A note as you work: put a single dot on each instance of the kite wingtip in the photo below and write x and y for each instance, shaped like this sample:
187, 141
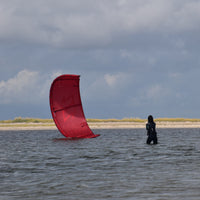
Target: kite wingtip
97, 135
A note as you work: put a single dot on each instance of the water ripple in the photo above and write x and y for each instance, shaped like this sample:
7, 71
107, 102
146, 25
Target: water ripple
116, 165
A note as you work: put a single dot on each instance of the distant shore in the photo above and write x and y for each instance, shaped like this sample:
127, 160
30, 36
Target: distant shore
100, 125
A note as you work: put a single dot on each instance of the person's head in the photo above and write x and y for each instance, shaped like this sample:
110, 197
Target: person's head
150, 119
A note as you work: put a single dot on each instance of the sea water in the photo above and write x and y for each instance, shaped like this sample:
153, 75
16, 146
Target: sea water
116, 165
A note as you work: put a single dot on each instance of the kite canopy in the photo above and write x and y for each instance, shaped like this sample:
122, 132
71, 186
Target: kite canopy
66, 107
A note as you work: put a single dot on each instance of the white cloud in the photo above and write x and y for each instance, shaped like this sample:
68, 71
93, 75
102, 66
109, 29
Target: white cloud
175, 75
110, 79
45, 84
117, 80
157, 93
106, 87
26, 87
16, 88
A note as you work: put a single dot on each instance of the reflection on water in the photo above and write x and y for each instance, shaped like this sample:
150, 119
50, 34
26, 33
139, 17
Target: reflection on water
116, 165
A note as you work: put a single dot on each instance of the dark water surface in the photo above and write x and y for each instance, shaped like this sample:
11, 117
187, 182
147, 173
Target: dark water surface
116, 165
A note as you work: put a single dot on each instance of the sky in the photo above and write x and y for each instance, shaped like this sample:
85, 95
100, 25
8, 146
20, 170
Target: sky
135, 57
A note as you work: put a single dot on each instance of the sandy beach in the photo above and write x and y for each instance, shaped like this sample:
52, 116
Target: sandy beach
143, 125
99, 125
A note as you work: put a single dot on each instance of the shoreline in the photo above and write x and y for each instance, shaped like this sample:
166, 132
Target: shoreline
99, 125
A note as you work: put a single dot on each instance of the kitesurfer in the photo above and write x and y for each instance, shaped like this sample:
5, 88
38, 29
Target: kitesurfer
151, 131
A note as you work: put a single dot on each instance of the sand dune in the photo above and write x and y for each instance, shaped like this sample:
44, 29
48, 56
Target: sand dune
99, 125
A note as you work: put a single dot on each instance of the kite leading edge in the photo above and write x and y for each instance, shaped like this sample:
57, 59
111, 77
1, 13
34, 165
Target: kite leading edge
66, 107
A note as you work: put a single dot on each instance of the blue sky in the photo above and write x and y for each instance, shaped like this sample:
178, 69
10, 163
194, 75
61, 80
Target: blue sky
135, 57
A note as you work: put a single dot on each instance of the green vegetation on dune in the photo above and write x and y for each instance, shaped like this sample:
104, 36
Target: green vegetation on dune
138, 120
18, 120
27, 120
117, 120
176, 120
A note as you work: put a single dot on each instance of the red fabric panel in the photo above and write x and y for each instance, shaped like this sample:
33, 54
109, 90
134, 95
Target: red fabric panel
66, 107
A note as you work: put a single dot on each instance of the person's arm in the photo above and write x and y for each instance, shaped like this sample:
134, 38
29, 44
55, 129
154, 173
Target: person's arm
147, 128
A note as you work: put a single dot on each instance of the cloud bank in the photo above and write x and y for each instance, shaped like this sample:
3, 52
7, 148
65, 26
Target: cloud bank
26, 87
94, 23
135, 57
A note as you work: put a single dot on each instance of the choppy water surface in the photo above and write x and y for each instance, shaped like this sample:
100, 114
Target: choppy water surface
116, 165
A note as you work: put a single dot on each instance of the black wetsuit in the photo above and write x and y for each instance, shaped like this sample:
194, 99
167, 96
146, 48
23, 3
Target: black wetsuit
151, 133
